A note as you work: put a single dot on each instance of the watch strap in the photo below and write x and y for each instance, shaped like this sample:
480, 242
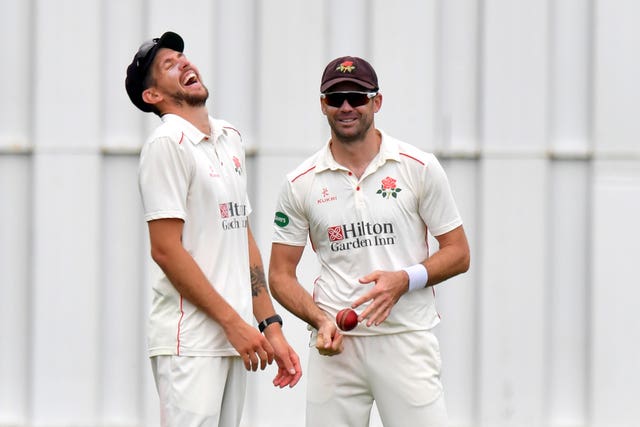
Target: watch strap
269, 320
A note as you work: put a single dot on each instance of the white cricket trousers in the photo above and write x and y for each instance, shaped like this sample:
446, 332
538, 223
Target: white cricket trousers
401, 372
200, 391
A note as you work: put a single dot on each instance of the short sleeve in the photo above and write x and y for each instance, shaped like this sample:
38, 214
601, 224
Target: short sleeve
290, 224
163, 178
437, 205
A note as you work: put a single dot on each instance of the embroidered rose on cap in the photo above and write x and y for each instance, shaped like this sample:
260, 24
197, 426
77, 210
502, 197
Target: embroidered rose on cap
346, 67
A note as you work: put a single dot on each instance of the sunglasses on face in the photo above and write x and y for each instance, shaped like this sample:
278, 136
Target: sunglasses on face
355, 99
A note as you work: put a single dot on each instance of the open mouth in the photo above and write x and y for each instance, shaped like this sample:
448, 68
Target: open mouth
190, 79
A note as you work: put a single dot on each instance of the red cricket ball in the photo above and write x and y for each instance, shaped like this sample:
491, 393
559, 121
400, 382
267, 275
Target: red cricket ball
347, 319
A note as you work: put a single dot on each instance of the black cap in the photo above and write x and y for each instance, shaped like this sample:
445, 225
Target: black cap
349, 69
139, 67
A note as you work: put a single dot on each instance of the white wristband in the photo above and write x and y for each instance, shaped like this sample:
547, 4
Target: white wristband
418, 276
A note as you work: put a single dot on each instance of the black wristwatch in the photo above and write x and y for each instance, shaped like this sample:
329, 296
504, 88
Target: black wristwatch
269, 320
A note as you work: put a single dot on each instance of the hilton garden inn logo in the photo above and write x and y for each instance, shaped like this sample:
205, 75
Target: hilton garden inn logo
360, 235
234, 215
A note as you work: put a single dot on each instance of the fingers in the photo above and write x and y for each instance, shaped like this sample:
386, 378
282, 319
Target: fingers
364, 298
377, 317
287, 364
260, 357
284, 355
329, 345
323, 340
252, 347
284, 378
289, 371
250, 361
369, 278
388, 289
297, 370
378, 311
264, 359
271, 353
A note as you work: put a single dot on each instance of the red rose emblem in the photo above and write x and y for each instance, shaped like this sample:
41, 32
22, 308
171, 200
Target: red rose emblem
388, 183
346, 67
388, 188
237, 164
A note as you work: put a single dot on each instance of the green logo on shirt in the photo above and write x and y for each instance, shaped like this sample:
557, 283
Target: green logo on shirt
281, 220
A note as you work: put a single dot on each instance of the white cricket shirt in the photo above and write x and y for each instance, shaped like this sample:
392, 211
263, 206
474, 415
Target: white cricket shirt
185, 174
377, 222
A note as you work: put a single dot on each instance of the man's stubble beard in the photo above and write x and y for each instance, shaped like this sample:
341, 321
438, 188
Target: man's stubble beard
196, 100
359, 135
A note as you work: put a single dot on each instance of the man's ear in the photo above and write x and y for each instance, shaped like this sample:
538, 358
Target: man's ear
377, 102
151, 96
323, 107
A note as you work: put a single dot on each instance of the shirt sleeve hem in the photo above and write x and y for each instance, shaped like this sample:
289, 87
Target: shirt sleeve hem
164, 215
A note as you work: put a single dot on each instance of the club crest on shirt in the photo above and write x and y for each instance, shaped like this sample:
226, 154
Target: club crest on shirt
388, 188
237, 165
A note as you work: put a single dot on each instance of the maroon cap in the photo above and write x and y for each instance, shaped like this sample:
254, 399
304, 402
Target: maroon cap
349, 69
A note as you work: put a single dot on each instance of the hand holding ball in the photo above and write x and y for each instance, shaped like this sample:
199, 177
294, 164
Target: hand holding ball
347, 319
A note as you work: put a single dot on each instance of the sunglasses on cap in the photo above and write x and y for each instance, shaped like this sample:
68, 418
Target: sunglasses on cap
355, 99
143, 52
